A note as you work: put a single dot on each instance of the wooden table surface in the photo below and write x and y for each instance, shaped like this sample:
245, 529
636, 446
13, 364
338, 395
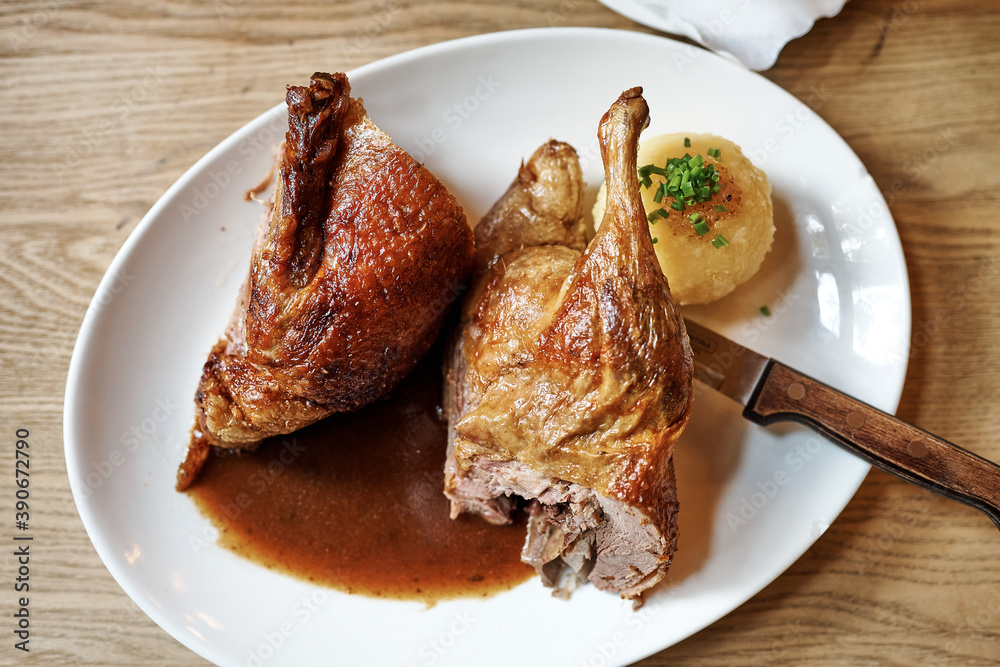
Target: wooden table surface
104, 104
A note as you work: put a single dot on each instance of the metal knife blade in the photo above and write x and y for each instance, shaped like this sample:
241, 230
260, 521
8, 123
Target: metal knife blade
770, 391
725, 365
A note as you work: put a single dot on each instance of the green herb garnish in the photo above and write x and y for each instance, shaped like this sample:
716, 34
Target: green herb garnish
719, 241
658, 213
687, 142
700, 226
765, 311
688, 180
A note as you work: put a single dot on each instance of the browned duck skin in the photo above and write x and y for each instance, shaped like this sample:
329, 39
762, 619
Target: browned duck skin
571, 381
349, 281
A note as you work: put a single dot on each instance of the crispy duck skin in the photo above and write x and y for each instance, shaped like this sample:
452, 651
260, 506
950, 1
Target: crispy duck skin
361, 253
571, 379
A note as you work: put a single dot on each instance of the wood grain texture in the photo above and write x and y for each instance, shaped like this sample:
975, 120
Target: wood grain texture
105, 104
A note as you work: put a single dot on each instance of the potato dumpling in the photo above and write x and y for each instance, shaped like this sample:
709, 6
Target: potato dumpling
697, 270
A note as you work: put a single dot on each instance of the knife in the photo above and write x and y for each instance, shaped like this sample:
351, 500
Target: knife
770, 391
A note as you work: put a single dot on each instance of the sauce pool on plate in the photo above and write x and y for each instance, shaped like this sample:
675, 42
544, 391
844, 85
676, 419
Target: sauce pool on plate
355, 502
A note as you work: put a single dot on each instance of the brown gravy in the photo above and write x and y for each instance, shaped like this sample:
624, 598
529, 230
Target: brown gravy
355, 503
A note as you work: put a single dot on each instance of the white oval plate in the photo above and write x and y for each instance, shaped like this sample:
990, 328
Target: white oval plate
753, 500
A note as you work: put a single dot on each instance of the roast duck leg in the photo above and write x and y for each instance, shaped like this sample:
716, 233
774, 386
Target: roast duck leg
361, 253
570, 378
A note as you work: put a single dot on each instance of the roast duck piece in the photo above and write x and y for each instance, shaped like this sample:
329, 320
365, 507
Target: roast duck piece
570, 378
360, 254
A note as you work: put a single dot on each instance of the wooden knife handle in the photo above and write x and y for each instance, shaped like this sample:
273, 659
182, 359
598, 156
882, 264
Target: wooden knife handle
888, 443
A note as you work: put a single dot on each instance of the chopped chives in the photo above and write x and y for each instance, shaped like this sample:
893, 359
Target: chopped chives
765, 311
701, 227
714, 152
658, 213
687, 142
655, 239
720, 209
687, 180
696, 217
719, 241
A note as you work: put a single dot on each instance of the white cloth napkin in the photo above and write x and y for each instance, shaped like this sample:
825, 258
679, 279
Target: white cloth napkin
751, 31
